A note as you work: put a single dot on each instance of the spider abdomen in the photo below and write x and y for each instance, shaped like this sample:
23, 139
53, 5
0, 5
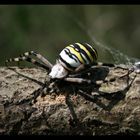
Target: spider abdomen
76, 54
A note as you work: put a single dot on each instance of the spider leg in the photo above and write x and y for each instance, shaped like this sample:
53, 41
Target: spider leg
80, 68
79, 80
86, 68
40, 57
28, 59
104, 64
71, 108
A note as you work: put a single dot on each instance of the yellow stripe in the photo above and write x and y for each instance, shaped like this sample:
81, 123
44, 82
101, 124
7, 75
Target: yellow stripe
72, 50
87, 52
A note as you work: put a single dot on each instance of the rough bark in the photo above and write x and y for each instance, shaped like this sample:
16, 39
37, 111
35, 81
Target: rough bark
113, 109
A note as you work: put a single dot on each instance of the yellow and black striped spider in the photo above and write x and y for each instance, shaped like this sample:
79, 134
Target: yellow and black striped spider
72, 60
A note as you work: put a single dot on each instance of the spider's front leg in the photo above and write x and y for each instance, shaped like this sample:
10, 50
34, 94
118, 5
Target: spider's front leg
40, 57
25, 57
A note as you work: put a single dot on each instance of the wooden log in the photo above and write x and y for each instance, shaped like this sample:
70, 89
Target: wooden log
113, 108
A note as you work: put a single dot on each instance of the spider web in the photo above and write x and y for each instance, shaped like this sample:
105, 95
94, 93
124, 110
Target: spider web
117, 55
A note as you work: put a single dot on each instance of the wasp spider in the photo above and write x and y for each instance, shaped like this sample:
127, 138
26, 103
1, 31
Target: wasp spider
73, 60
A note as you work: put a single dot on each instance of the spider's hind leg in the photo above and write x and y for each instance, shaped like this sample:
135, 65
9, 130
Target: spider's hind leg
82, 81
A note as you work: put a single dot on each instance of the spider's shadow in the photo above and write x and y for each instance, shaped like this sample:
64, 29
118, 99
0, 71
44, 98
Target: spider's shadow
27, 77
113, 98
85, 90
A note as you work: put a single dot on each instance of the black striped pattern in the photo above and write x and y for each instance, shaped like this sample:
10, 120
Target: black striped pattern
73, 56
65, 64
81, 51
21, 57
92, 51
76, 54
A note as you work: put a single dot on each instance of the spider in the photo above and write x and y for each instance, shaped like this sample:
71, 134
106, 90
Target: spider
73, 60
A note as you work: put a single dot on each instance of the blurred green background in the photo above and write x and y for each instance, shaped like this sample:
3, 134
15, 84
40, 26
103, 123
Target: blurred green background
47, 29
